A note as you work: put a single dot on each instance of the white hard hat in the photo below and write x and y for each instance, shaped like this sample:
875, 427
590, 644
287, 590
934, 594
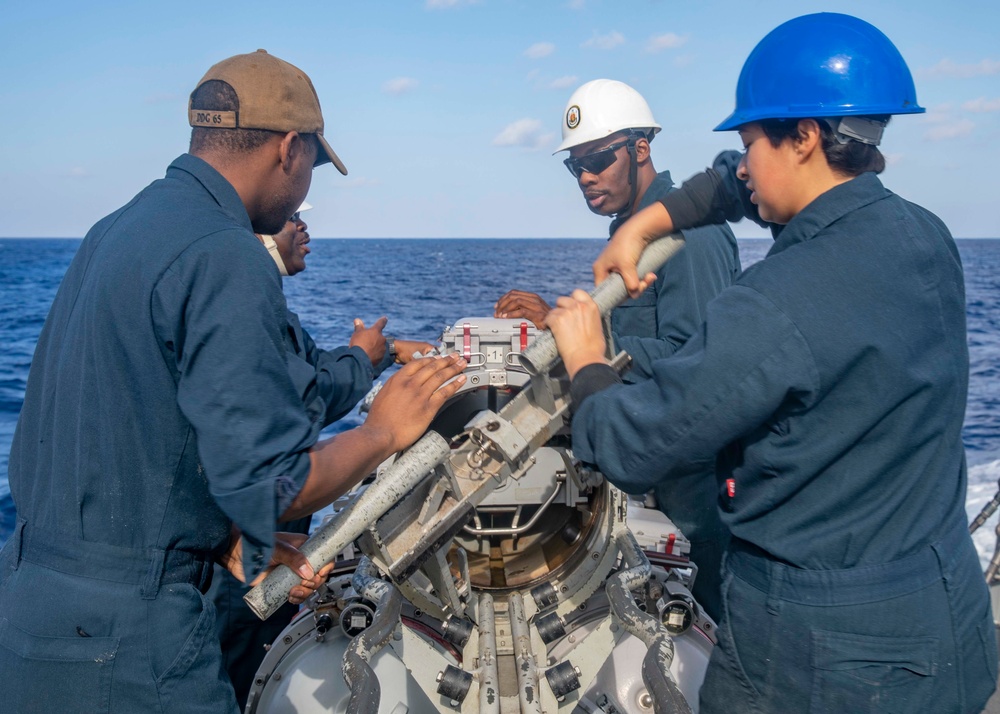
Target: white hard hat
601, 108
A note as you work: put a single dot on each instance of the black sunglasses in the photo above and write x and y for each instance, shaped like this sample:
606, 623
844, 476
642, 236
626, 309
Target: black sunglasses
594, 162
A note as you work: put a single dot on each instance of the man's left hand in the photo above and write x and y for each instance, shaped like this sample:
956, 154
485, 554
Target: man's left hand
370, 339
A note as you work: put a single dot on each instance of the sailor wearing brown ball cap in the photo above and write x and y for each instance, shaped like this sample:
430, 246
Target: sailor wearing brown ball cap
161, 430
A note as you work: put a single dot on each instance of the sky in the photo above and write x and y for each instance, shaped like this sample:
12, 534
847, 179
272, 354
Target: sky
447, 112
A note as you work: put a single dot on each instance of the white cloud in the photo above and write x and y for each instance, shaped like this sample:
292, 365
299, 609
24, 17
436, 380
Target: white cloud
565, 82
893, 159
76, 172
950, 69
448, 4
400, 85
944, 123
949, 130
939, 114
605, 42
669, 41
683, 60
539, 50
982, 104
576, 4
525, 133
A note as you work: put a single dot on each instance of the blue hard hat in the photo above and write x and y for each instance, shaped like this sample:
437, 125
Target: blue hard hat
822, 65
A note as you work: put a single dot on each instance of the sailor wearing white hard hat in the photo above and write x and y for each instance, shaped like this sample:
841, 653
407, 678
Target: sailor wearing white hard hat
607, 127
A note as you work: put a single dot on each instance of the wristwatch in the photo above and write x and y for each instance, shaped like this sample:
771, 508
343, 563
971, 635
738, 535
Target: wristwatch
390, 346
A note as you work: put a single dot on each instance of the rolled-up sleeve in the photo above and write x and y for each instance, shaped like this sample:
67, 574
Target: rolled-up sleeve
221, 310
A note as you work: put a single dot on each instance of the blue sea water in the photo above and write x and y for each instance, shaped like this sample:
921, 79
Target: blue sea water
423, 285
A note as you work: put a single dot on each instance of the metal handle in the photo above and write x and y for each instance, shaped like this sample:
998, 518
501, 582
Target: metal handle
346, 525
541, 354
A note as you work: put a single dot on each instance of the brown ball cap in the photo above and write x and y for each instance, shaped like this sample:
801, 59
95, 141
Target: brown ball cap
273, 95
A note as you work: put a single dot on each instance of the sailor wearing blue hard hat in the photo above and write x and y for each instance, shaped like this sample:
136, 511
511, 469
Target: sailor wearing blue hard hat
830, 382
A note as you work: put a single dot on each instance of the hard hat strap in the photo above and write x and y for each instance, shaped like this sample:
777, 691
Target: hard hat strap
633, 172
864, 130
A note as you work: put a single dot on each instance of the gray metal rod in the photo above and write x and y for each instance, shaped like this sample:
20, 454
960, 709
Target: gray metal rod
541, 354
489, 673
346, 525
527, 673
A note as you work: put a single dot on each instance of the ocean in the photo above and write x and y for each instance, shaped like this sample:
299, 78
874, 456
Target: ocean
423, 285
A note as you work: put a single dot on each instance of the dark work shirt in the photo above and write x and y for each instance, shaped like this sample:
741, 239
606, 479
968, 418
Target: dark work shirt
659, 321
831, 379
159, 406
331, 382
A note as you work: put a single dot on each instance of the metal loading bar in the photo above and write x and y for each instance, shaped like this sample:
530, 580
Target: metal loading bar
524, 425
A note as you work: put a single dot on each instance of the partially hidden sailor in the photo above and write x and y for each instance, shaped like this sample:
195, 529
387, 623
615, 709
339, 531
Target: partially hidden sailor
607, 128
331, 383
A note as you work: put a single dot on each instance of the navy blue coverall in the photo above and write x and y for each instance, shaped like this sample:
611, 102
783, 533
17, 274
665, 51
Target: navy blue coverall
831, 380
159, 410
331, 383
655, 325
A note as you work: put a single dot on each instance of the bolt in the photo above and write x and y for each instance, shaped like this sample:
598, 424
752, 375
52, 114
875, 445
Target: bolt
439, 677
277, 676
645, 701
287, 639
492, 426
595, 555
